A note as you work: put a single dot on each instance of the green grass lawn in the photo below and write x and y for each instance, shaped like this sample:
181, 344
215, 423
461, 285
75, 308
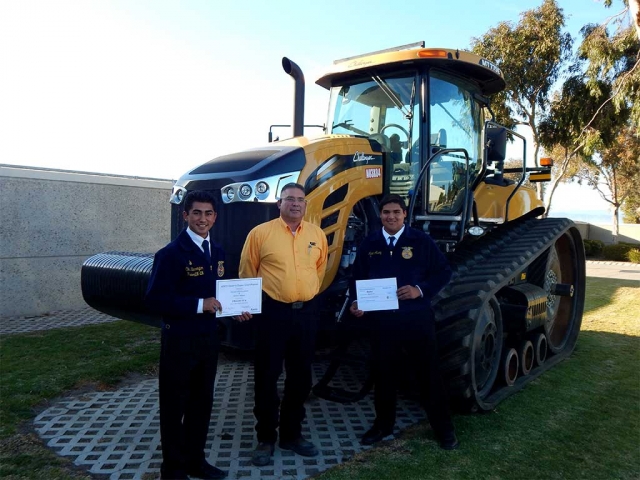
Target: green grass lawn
38, 367
580, 420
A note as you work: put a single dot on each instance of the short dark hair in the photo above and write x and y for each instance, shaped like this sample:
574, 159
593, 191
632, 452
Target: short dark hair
199, 196
291, 185
393, 198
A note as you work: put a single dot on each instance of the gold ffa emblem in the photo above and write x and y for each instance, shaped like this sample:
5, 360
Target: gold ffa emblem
221, 268
407, 253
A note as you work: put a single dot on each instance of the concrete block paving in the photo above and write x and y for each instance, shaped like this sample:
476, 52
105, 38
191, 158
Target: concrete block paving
118, 433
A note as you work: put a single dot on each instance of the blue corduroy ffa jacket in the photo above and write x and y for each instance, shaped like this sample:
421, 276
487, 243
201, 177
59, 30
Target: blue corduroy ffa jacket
179, 278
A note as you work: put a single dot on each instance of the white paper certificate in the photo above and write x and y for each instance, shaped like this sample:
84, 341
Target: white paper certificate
377, 294
237, 296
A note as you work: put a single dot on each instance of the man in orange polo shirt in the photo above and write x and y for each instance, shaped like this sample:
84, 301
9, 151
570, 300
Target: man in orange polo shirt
291, 256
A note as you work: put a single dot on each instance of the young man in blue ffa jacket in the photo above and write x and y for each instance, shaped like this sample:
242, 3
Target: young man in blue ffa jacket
182, 289
421, 271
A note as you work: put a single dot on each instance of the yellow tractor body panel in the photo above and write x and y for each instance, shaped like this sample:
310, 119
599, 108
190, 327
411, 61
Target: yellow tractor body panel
491, 201
332, 162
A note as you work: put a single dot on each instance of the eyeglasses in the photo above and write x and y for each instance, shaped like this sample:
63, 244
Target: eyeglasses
294, 199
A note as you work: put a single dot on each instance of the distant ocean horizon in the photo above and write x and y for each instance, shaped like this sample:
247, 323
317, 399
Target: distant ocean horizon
597, 218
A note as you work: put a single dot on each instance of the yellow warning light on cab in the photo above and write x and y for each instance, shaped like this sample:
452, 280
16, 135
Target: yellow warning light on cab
546, 162
431, 53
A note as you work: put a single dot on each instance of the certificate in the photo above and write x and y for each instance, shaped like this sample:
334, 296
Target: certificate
377, 294
237, 296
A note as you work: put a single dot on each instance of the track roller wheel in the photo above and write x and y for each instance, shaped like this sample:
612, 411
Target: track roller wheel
525, 354
487, 348
565, 272
540, 349
510, 367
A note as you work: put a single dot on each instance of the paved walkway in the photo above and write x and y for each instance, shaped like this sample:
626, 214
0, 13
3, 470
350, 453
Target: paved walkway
619, 270
117, 433
59, 319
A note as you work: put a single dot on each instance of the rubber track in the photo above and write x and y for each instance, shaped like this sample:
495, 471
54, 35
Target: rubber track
480, 271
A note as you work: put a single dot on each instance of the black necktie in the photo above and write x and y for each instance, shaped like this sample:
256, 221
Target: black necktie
391, 240
207, 253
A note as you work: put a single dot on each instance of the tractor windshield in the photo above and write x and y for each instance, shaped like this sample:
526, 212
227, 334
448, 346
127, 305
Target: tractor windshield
382, 108
387, 109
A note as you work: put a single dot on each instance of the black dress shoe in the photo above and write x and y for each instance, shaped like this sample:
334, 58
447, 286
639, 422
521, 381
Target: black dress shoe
168, 474
261, 456
301, 447
206, 471
374, 435
449, 442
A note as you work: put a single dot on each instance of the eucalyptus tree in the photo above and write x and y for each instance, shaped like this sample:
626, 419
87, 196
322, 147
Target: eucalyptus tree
615, 172
531, 55
577, 125
612, 53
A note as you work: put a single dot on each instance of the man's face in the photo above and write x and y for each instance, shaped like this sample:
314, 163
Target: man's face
201, 218
392, 217
292, 205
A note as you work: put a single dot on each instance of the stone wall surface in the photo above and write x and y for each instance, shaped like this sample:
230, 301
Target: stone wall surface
54, 220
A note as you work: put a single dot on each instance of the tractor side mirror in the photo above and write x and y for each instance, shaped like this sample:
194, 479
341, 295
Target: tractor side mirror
495, 143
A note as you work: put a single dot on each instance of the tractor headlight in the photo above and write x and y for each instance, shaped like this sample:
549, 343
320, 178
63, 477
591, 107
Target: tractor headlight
260, 190
262, 187
177, 196
245, 191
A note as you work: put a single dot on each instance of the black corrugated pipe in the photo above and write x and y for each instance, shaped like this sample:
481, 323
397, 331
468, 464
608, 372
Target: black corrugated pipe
298, 95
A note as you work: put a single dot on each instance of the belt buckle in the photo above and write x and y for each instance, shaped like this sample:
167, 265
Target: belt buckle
297, 305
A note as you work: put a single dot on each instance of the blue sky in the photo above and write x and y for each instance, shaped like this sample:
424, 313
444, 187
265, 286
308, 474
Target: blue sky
155, 87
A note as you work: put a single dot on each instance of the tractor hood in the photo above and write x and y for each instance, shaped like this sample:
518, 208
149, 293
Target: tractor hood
237, 175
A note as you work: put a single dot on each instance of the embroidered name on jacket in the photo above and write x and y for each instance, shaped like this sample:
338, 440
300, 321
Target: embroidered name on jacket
194, 271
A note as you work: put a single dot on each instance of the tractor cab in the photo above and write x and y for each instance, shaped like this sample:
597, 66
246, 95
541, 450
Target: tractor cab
425, 110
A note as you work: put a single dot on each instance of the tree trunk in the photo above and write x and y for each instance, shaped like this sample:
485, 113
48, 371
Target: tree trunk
634, 10
616, 226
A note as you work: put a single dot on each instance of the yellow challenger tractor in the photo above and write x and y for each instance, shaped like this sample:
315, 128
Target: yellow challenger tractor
417, 122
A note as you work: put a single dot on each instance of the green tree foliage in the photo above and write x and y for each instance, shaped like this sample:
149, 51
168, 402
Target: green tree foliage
616, 169
631, 207
612, 52
564, 132
531, 56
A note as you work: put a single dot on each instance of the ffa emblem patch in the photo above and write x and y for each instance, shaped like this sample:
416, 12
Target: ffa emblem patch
221, 268
407, 253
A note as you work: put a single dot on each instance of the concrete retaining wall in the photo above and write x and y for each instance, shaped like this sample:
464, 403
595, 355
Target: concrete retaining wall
51, 221
629, 233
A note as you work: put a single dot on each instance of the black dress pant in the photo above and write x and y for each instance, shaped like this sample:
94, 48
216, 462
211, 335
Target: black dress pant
187, 375
283, 334
411, 333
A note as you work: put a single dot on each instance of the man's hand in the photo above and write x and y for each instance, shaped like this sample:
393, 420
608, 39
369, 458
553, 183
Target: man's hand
408, 292
211, 305
243, 318
354, 310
